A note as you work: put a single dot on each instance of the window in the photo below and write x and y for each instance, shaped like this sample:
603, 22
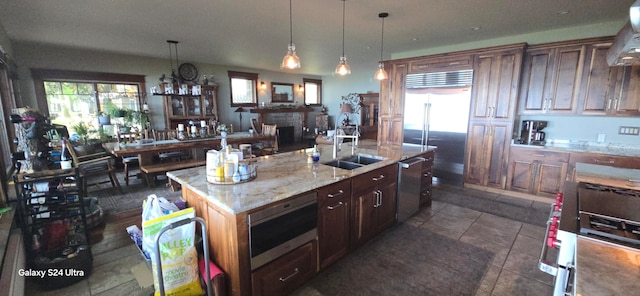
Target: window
244, 89
312, 91
70, 97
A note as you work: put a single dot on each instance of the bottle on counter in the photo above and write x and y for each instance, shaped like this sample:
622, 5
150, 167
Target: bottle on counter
316, 154
66, 161
230, 165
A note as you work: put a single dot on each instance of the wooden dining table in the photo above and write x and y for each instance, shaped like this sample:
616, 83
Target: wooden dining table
147, 149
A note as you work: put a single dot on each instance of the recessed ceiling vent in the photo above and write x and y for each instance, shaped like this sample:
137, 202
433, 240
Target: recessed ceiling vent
625, 50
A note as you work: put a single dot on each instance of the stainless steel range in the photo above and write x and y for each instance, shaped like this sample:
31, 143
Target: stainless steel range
598, 212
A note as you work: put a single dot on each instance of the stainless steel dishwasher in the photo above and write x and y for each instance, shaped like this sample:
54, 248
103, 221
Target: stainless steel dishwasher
409, 174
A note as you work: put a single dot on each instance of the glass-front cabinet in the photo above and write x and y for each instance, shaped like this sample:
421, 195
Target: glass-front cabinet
183, 108
369, 115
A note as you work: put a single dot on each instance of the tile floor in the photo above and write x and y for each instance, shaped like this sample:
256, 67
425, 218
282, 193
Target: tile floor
454, 213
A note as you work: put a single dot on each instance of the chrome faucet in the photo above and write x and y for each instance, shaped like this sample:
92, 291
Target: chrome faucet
343, 135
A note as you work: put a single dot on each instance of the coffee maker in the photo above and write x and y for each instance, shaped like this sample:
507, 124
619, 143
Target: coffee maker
531, 132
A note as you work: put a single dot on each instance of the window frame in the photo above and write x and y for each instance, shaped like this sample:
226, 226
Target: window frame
318, 83
248, 76
41, 75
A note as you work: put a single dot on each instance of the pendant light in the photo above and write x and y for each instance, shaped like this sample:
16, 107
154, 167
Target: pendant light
174, 76
290, 60
343, 68
381, 74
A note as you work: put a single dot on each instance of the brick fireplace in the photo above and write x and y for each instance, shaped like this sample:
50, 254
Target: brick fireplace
291, 118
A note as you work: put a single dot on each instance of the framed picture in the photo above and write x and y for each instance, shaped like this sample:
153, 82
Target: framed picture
282, 92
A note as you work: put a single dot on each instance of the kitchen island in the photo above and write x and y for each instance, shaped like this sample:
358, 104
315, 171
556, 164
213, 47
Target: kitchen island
280, 178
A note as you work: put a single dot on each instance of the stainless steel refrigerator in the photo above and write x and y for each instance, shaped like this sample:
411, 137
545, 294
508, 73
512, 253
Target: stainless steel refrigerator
436, 113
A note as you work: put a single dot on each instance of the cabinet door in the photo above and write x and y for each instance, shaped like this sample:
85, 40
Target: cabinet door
334, 204
521, 175
363, 208
390, 127
427, 179
552, 80
476, 152
598, 82
210, 101
535, 77
386, 210
175, 106
495, 84
486, 154
627, 97
550, 178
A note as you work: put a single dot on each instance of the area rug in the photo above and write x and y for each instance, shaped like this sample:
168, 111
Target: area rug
405, 260
112, 201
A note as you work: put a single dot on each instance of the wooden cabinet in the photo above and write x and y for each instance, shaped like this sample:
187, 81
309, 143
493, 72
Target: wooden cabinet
495, 84
626, 97
599, 81
487, 153
373, 203
537, 171
283, 275
183, 108
551, 79
390, 130
493, 100
369, 113
334, 214
426, 180
441, 63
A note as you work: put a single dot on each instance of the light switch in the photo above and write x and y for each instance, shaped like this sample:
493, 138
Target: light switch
600, 138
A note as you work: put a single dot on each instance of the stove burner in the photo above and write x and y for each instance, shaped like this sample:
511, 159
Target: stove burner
618, 190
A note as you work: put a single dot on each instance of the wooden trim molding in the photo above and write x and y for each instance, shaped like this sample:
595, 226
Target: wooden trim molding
54, 74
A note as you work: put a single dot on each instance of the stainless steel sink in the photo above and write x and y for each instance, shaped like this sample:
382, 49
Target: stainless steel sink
343, 164
353, 162
361, 159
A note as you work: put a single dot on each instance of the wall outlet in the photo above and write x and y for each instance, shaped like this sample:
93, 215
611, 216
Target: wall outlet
629, 130
600, 138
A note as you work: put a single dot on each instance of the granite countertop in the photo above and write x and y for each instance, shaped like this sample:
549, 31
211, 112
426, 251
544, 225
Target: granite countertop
283, 175
605, 269
599, 148
606, 175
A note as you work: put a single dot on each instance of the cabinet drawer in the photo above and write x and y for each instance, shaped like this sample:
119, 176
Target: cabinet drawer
379, 177
537, 154
330, 193
444, 63
286, 273
603, 159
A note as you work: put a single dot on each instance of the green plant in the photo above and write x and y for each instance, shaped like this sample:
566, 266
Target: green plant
82, 130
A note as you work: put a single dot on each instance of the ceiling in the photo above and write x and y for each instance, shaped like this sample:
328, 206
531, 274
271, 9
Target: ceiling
255, 34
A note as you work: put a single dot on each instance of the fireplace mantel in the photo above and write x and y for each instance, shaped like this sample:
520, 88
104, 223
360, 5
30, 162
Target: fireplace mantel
282, 110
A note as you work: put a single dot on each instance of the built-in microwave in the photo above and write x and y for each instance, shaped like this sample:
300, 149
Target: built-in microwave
278, 229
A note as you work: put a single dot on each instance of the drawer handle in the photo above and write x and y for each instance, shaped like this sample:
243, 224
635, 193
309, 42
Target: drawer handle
378, 178
332, 195
336, 206
427, 175
284, 279
605, 161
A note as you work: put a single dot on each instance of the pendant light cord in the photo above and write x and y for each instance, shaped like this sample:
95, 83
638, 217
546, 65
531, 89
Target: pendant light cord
343, 1
290, 23
382, 40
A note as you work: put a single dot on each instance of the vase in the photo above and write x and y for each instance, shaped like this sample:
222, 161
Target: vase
223, 134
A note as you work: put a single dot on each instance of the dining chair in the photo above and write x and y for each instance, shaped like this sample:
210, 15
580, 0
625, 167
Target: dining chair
127, 162
168, 134
270, 146
93, 162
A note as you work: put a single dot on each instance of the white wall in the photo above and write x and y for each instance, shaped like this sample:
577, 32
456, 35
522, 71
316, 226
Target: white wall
587, 128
